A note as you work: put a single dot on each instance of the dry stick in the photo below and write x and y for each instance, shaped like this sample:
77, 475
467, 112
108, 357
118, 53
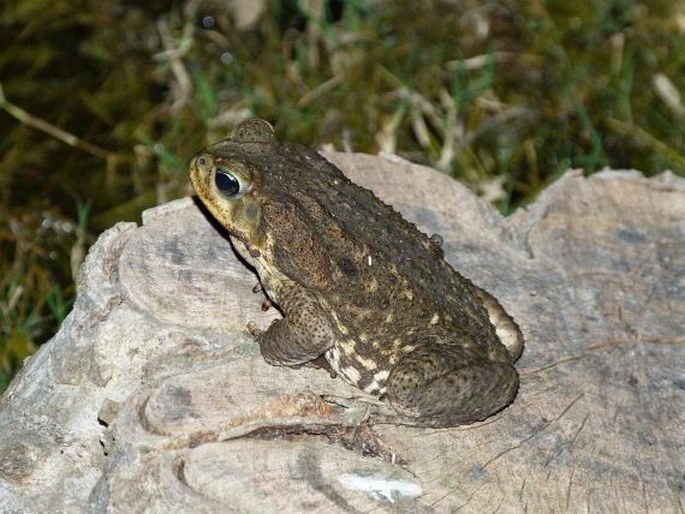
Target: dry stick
56, 132
645, 138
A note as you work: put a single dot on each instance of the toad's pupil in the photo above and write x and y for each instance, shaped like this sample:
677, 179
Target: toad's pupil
226, 183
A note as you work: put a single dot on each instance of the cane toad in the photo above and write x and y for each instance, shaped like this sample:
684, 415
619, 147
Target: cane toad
357, 284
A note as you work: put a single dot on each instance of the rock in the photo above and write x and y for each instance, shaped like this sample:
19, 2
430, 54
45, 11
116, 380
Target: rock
153, 397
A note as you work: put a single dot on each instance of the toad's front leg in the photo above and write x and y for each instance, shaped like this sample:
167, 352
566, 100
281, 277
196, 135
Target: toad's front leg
302, 335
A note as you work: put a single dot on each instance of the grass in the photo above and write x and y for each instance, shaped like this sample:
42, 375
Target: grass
102, 106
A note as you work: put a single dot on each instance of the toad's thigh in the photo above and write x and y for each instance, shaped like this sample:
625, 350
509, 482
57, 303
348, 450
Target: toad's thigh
443, 384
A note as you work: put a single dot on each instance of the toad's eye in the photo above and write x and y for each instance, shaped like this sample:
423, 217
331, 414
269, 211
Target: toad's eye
226, 182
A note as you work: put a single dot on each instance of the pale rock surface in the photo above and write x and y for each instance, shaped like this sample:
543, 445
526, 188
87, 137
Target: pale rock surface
152, 397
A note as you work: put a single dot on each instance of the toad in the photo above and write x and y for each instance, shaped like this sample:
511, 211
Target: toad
359, 287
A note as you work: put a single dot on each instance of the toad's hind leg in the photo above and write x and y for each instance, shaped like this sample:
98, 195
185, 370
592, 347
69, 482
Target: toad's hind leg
448, 383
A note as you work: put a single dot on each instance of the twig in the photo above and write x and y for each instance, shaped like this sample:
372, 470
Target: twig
56, 132
183, 92
643, 137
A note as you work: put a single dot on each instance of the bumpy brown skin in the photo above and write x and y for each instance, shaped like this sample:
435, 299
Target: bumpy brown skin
357, 283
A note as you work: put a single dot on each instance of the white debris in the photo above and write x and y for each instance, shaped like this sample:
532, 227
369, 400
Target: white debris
379, 486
